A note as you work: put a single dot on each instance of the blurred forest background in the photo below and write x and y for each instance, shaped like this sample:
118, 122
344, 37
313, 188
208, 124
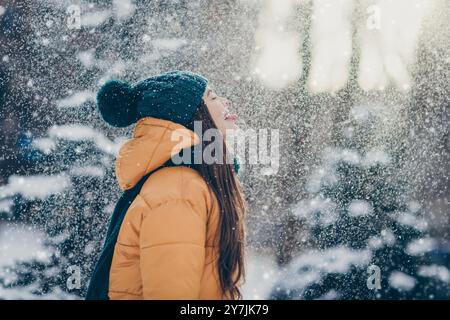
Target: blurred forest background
359, 90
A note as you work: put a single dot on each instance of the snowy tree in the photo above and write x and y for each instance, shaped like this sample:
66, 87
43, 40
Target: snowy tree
70, 200
363, 226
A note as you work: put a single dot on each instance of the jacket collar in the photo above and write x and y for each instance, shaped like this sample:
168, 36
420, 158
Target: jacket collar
153, 143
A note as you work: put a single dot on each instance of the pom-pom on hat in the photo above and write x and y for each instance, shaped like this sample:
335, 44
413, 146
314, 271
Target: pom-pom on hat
172, 96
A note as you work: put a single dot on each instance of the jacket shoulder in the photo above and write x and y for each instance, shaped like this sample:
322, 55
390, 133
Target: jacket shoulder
175, 184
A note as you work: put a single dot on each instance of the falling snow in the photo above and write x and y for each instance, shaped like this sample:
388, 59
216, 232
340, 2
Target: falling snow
359, 91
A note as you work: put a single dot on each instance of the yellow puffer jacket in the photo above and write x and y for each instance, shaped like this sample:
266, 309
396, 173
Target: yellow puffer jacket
167, 246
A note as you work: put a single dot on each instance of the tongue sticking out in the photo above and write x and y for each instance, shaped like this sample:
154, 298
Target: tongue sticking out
231, 116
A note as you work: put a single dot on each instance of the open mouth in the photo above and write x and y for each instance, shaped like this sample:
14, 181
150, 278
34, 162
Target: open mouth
230, 116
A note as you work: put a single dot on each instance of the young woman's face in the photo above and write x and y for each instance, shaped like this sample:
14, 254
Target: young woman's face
218, 107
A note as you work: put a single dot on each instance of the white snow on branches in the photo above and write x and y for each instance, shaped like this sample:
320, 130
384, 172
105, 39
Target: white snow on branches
401, 281
421, 246
435, 271
358, 208
76, 99
311, 266
35, 187
77, 132
317, 210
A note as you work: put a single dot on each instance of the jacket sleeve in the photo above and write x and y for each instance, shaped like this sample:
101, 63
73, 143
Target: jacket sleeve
172, 248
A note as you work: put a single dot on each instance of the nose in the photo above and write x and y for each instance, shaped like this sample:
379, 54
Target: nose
227, 103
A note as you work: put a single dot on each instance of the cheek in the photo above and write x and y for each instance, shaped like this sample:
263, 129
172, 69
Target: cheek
217, 112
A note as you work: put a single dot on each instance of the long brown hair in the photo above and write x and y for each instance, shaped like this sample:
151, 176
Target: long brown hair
223, 181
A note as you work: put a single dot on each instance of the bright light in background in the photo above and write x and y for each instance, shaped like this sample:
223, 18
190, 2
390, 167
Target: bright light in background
388, 51
387, 34
331, 40
277, 61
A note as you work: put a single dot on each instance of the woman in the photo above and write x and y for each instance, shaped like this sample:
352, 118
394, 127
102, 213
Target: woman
183, 235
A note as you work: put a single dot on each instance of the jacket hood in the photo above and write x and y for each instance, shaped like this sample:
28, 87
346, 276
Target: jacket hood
154, 141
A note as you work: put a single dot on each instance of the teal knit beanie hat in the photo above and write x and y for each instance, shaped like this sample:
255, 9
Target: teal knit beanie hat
172, 96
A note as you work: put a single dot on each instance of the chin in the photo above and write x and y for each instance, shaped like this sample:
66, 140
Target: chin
230, 130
